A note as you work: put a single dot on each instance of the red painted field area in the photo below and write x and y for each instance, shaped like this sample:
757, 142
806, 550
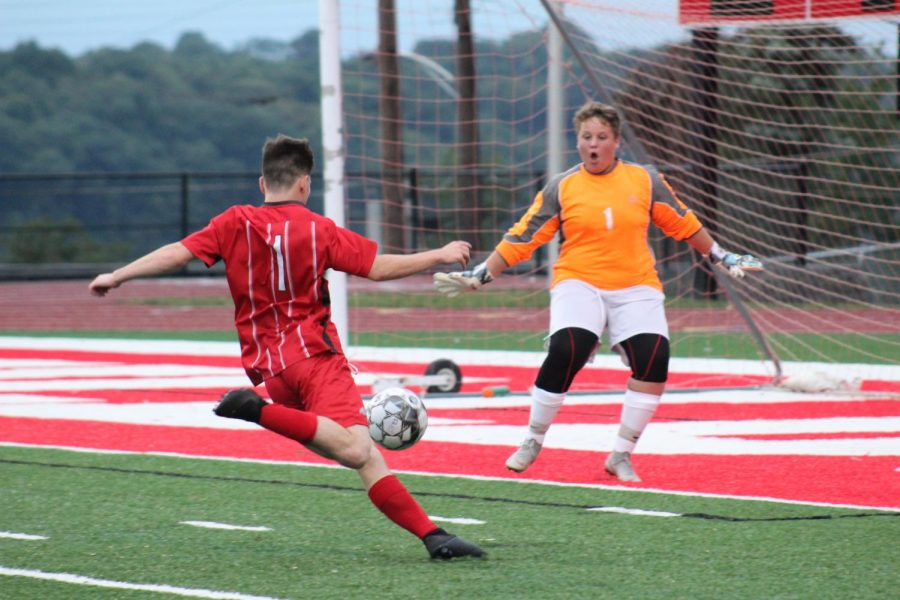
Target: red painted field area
752, 443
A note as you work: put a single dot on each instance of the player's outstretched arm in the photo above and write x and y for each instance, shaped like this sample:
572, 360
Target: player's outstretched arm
162, 260
735, 265
395, 266
456, 282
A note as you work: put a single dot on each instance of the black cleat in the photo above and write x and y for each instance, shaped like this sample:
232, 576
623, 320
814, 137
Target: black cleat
240, 404
441, 544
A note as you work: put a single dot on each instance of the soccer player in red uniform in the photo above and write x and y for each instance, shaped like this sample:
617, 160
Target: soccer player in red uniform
275, 259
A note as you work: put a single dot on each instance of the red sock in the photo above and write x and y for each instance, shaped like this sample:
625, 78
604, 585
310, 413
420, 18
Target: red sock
298, 425
393, 499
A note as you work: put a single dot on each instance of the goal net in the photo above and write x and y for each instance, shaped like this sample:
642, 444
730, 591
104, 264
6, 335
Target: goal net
781, 135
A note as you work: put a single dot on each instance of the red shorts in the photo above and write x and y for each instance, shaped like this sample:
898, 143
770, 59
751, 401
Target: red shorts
321, 384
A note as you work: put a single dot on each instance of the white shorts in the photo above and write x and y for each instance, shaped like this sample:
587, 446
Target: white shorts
627, 312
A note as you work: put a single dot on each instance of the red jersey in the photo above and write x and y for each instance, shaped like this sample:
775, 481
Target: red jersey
275, 260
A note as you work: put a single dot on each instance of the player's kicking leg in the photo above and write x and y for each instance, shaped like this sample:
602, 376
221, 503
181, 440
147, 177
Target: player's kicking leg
392, 498
353, 448
443, 545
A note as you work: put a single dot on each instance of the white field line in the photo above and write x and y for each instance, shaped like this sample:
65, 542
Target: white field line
214, 525
237, 379
461, 357
119, 371
714, 437
457, 520
47, 363
21, 536
741, 397
124, 585
33, 399
541, 482
876, 436
183, 348
633, 511
169, 414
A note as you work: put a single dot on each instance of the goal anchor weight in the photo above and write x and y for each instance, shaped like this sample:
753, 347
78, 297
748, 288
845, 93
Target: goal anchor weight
442, 376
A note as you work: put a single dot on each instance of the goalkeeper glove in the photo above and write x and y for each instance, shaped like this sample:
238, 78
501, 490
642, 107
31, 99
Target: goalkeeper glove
734, 264
454, 283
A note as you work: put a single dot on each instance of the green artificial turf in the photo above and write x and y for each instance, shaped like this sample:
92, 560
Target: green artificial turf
118, 517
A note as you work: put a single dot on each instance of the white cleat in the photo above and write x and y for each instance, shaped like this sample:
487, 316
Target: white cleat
618, 464
524, 456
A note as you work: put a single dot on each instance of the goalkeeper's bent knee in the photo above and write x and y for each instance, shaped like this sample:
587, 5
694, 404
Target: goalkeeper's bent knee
648, 357
569, 350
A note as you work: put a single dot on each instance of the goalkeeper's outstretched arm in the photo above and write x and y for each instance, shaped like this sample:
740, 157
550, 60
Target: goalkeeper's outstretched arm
454, 283
734, 264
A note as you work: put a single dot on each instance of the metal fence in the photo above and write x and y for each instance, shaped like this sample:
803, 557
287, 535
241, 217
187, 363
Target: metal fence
69, 225
62, 225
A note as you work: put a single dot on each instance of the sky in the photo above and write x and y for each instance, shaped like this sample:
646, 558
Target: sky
78, 26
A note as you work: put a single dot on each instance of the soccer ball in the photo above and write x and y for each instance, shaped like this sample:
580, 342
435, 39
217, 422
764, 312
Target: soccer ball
397, 418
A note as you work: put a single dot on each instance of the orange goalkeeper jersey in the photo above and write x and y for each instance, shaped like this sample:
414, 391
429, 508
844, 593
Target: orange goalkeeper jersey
604, 220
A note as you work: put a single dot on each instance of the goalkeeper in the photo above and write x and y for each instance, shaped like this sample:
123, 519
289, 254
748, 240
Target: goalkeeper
605, 276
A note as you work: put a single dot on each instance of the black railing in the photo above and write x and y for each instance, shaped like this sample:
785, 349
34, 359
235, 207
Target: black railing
58, 225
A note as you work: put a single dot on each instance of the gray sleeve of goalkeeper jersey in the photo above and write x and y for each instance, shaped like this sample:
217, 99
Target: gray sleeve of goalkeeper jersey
549, 208
662, 192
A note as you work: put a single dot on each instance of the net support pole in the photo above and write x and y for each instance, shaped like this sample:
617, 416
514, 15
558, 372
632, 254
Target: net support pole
755, 331
638, 152
555, 122
702, 151
333, 145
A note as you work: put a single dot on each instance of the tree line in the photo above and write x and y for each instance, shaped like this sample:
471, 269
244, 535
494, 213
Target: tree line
196, 107
200, 108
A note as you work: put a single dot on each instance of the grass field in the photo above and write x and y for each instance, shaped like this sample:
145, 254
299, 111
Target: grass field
119, 518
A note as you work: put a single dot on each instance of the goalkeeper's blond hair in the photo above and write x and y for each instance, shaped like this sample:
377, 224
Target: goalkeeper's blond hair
605, 112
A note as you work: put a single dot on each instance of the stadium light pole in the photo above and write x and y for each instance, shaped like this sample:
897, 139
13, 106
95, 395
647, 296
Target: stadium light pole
441, 76
438, 73
333, 146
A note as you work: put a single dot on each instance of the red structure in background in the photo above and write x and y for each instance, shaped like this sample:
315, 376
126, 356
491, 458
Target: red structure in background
732, 12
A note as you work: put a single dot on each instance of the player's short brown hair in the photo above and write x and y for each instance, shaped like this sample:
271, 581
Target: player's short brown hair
605, 112
285, 159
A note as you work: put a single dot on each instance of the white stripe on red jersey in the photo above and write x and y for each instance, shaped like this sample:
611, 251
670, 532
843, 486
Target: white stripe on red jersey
280, 288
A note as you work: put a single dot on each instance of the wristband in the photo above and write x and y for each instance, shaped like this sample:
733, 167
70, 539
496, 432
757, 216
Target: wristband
482, 274
716, 254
